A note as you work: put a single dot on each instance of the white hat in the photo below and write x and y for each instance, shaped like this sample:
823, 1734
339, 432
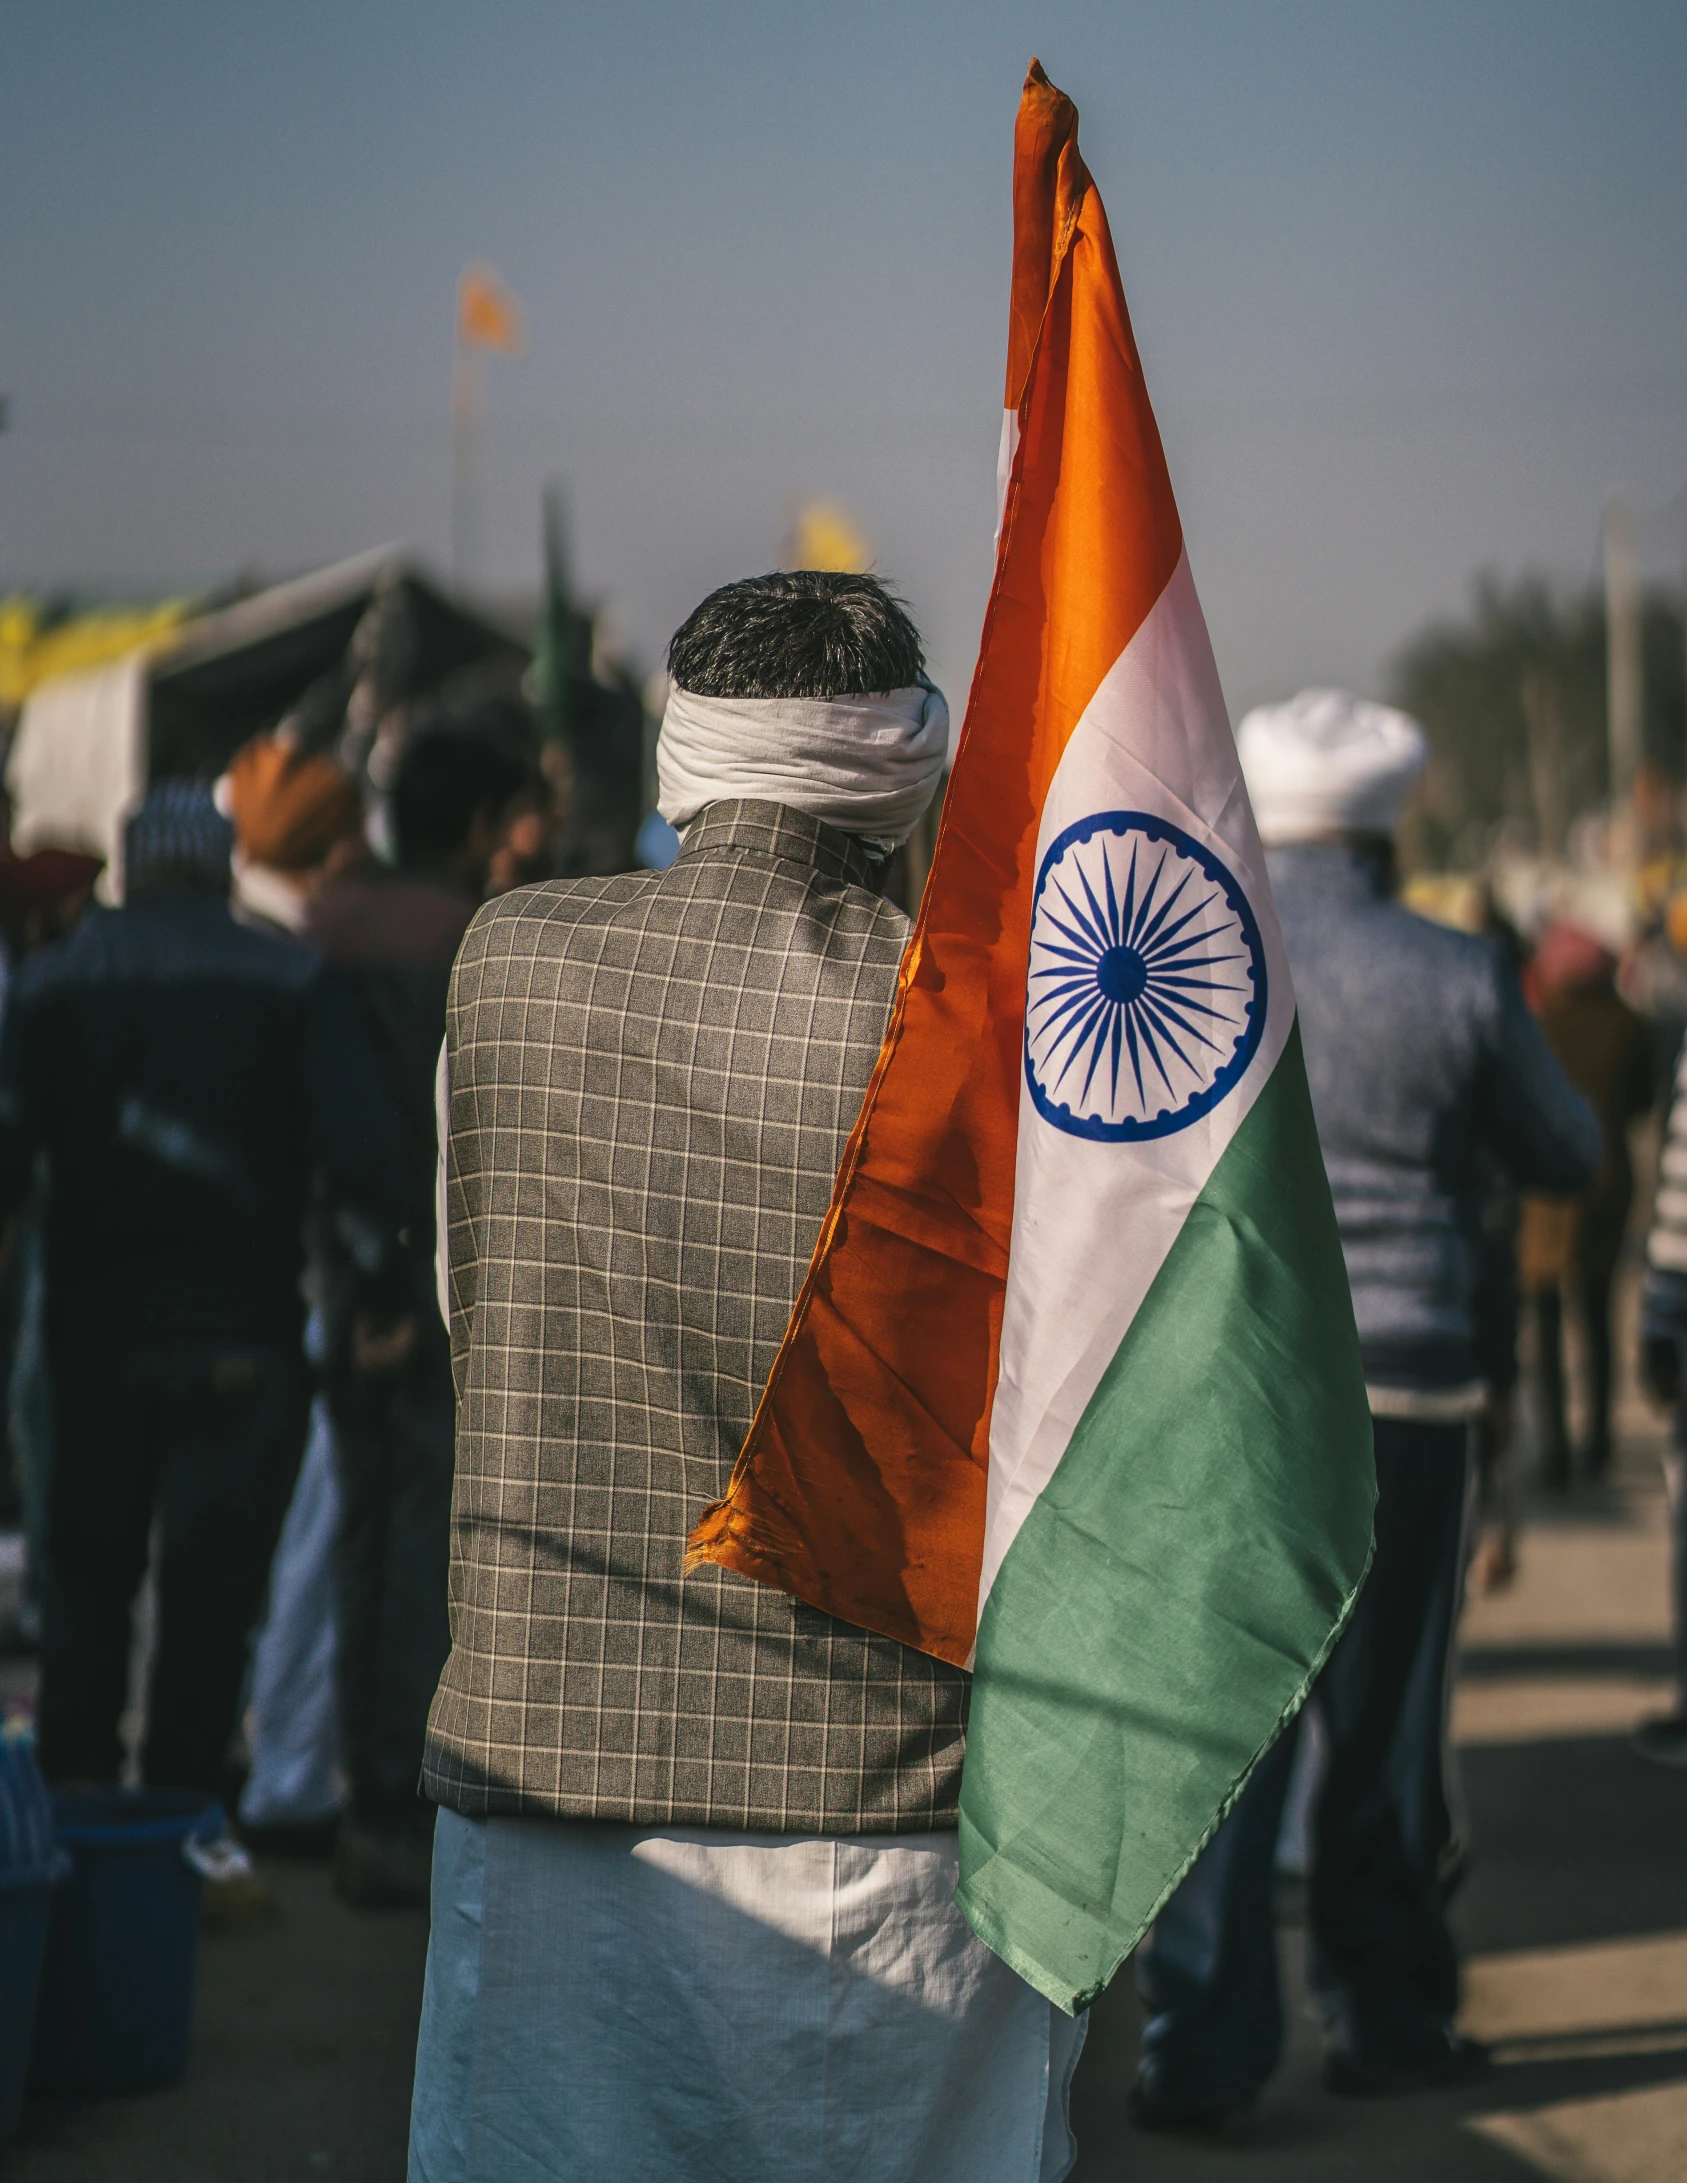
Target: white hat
1327, 763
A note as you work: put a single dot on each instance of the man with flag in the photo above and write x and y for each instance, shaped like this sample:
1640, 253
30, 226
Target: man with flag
1072, 1393
695, 1868
1069, 1395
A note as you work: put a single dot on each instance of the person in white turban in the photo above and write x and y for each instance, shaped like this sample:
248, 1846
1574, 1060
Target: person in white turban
1326, 764
867, 764
1423, 1059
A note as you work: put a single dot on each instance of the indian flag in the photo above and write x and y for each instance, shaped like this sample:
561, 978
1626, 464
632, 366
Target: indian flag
1072, 1391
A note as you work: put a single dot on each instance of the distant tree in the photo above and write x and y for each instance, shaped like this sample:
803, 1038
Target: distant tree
1512, 698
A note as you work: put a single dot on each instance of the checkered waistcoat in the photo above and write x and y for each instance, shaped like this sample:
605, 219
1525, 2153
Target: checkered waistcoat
652, 1077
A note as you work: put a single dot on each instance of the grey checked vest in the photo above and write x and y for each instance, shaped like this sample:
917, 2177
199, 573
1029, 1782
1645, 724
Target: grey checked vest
652, 1077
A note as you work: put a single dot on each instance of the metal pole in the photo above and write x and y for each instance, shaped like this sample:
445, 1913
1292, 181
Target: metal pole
1622, 650
1546, 760
468, 381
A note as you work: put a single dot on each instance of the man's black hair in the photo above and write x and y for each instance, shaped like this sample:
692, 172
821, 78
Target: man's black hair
798, 633
446, 779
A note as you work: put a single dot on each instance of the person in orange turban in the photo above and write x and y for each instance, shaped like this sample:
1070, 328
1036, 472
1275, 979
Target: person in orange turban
289, 809
291, 812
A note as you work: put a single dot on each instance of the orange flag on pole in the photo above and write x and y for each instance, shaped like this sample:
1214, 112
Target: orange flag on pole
488, 315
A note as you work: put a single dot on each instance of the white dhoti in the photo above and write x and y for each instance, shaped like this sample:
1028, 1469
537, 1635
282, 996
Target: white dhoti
654, 2004
294, 1722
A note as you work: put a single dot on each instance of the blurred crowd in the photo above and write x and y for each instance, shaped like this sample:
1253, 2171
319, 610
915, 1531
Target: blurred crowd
1479, 1086
217, 1172
229, 1385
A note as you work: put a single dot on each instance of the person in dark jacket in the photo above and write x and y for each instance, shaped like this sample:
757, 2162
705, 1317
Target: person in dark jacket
393, 934
1421, 1055
188, 1081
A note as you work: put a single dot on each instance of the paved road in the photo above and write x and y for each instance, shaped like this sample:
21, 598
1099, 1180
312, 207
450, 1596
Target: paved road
1575, 1917
304, 2035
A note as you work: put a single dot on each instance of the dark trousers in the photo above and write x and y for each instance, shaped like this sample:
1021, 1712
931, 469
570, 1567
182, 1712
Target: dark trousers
1383, 1961
1590, 1288
394, 1437
208, 1440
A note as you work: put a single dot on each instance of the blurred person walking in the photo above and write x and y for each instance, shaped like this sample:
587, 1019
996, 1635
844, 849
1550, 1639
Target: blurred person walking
1663, 1332
1568, 1247
1496, 1316
694, 1870
370, 1527
1421, 1053
393, 934
297, 815
186, 1078
297, 818
42, 896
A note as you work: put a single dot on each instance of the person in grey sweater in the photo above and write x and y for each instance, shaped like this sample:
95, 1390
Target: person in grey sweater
1423, 1061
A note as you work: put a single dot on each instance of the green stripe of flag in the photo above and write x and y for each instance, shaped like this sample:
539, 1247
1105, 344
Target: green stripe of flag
1175, 1588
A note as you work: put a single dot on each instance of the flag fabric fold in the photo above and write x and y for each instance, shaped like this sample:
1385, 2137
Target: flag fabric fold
1072, 1390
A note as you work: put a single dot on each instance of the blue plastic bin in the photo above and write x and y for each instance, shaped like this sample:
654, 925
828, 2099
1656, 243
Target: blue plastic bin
26, 1901
123, 1943
29, 1867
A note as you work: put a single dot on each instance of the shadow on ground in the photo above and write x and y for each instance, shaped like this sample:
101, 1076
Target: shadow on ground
1576, 1841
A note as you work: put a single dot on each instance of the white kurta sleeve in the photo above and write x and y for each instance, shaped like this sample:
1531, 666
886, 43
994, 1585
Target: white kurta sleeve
441, 1236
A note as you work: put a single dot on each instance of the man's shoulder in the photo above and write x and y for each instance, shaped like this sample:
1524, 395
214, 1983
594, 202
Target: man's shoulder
1384, 982
388, 921
695, 926
1456, 954
1388, 934
556, 915
215, 945
543, 915
154, 943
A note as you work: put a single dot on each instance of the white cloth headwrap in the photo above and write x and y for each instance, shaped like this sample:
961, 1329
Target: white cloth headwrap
866, 765
1328, 763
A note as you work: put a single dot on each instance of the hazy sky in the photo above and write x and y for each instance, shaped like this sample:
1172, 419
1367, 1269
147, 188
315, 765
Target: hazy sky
1410, 284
